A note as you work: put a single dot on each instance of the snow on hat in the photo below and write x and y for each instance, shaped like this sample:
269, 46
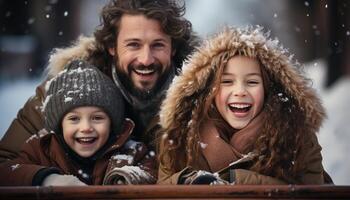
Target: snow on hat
81, 84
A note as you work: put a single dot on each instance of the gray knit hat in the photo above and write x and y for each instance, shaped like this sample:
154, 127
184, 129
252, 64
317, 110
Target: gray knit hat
81, 84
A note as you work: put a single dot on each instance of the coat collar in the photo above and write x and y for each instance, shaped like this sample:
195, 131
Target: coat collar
220, 153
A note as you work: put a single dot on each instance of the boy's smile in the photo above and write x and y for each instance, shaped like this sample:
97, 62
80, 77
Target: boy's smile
86, 129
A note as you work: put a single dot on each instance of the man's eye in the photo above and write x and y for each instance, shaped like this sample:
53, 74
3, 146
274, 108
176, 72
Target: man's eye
133, 45
158, 45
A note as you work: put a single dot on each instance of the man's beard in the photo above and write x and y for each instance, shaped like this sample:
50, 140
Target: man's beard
143, 94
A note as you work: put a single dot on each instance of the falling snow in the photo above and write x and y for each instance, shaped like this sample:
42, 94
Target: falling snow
14, 167
122, 157
31, 20
203, 145
152, 153
171, 142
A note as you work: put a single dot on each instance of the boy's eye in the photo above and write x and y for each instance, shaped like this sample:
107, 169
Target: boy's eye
98, 117
73, 118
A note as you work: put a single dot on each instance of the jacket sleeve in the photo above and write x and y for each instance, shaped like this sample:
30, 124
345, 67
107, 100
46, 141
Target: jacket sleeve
28, 122
22, 170
248, 177
165, 178
313, 173
134, 164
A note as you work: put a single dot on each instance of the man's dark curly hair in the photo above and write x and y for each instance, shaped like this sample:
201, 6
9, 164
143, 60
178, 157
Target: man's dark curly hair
169, 13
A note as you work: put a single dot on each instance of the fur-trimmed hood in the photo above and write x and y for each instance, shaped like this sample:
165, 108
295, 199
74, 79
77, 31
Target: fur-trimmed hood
79, 50
185, 96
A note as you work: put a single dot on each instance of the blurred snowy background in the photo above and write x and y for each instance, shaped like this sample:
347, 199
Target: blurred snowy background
316, 31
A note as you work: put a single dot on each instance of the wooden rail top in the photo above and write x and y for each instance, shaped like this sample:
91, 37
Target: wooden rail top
177, 192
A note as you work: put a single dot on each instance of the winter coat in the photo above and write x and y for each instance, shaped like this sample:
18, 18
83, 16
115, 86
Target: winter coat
243, 175
30, 120
185, 101
46, 152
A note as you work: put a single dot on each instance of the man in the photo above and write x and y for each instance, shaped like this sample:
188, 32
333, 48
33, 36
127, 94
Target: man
140, 44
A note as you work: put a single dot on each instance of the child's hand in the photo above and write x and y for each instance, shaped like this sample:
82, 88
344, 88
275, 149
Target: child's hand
62, 180
128, 175
205, 178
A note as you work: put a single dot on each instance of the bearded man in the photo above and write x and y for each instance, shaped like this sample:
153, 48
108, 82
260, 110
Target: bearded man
140, 44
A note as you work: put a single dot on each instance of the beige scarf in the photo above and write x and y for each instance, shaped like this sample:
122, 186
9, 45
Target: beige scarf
218, 152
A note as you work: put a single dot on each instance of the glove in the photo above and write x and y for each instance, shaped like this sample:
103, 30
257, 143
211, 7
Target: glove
61, 180
205, 178
128, 175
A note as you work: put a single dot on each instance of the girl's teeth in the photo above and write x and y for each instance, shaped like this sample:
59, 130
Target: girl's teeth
239, 105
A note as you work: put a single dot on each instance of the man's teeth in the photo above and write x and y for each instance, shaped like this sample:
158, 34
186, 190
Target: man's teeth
144, 71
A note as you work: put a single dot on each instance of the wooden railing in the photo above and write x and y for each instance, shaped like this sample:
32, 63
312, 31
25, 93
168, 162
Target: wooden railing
177, 192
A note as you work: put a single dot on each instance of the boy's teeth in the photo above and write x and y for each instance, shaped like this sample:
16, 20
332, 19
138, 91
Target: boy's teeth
86, 139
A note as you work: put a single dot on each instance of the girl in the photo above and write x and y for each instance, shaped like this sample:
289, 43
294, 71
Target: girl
240, 113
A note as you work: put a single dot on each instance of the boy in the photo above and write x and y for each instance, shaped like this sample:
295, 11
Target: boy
86, 133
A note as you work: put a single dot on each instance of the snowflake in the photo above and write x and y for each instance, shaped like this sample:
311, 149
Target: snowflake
121, 157
152, 153
203, 145
14, 167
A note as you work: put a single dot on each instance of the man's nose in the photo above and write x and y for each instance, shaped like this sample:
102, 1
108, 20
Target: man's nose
146, 57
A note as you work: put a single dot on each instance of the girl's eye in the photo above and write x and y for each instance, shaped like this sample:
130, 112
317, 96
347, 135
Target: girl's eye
226, 81
253, 82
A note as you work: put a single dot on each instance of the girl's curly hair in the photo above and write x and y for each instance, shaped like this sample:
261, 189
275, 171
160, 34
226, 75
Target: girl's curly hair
280, 141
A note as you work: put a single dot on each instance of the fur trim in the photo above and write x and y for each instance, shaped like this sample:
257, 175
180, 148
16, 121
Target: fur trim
249, 41
62, 56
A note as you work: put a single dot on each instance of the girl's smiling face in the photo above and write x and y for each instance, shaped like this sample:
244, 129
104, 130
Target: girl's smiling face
241, 94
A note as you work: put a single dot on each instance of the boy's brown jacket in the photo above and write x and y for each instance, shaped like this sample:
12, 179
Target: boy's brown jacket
46, 151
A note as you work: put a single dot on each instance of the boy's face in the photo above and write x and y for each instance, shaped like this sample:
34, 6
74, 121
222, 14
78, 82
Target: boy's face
143, 52
241, 94
86, 129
